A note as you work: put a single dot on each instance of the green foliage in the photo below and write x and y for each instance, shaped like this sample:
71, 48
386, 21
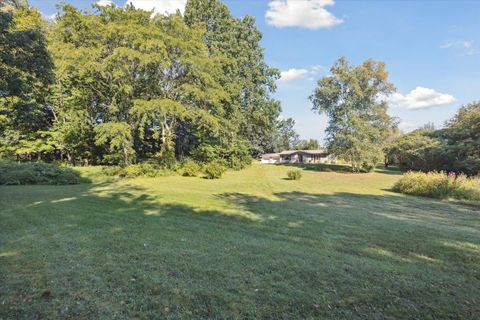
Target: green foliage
251, 112
190, 168
234, 155
25, 77
36, 173
112, 171
132, 171
287, 137
237, 155
358, 119
295, 174
454, 148
462, 140
311, 144
214, 170
417, 150
128, 86
118, 137
439, 185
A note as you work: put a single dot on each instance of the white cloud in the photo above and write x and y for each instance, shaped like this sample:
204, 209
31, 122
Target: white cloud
309, 14
467, 46
105, 2
420, 98
159, 6
294, 74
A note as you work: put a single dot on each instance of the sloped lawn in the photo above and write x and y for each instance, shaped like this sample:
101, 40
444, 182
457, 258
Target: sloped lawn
250, 245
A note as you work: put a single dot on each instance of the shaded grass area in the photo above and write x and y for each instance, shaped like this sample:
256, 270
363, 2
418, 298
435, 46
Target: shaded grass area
250, 245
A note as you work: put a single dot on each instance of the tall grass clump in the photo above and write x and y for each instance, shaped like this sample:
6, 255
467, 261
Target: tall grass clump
36, 173
439, 185
214, 170
294, 174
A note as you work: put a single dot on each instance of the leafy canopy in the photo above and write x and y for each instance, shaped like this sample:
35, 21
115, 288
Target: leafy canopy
358, 119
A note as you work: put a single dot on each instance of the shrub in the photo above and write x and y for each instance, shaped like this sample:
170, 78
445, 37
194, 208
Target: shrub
294, 174
239, 163
439, 185
139, 170
37, 173
214, 170
135, 170
112, 171
190, 168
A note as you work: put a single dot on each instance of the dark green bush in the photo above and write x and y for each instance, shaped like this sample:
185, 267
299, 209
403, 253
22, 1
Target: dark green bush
190, 168
214, 170
439, 185
36, 173
294, 174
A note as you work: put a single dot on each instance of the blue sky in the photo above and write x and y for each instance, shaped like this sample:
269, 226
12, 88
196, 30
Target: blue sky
431, 50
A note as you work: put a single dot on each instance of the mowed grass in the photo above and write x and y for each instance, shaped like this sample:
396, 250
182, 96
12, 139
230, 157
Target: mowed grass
250, 245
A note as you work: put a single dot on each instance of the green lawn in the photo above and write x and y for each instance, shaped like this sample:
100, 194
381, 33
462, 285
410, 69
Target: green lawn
250, 245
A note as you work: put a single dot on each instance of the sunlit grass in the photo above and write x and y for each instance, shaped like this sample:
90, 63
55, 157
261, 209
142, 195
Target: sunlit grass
249, 245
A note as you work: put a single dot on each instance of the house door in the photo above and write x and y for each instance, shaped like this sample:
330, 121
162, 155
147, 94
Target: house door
300, 158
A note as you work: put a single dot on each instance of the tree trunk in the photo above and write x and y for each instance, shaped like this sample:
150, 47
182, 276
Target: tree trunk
126, 158
69, 158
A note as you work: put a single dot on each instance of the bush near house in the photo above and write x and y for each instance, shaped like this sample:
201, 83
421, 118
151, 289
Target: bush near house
439, 185
36, 173
294, 174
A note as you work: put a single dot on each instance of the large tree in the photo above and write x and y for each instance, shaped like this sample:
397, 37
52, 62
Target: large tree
235, 42
310, 144
287, 138
358, 121
25, 76
132, 81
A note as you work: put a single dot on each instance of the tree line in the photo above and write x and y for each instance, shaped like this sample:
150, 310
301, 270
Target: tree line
454, 148
119, 85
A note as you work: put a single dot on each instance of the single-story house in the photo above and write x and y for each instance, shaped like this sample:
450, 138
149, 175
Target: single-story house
298, 156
